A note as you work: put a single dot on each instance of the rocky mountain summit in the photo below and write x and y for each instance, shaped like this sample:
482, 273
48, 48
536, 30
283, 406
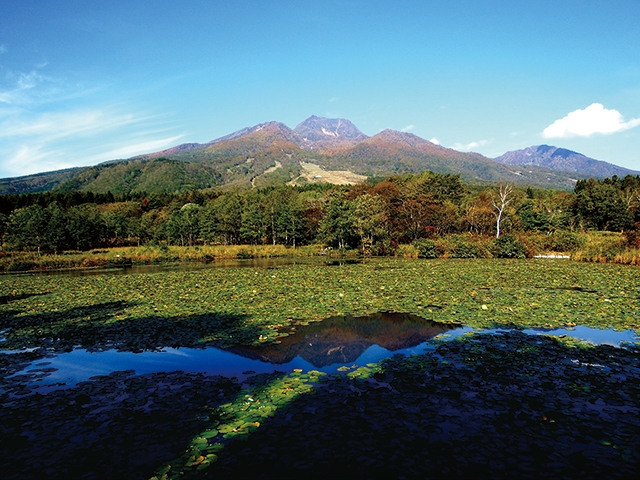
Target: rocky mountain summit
319, 133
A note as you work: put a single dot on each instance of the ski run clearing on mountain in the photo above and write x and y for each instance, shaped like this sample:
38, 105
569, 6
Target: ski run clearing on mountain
313, 173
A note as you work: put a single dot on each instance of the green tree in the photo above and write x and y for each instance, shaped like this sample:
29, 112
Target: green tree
336, 227
3, 227
370, 219
601, 205
55, 237
183, 226
86, 227
26, 229
256, 220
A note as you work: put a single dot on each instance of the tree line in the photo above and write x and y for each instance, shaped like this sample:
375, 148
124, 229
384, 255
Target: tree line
375, 215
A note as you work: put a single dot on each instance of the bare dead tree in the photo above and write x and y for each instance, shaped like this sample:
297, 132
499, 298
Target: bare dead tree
500, 200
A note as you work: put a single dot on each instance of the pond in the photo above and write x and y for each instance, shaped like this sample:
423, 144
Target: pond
127, 382
337, 344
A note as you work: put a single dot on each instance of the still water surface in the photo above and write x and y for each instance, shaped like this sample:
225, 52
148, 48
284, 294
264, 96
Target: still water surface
328, 346
189, 267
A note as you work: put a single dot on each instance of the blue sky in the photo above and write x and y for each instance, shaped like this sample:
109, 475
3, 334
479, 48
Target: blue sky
87, 81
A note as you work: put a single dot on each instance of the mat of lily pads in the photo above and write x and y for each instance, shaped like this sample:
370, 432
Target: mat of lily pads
507, 405
230, 306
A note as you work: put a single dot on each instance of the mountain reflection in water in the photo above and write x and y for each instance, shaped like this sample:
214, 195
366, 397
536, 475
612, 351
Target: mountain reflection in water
340, 340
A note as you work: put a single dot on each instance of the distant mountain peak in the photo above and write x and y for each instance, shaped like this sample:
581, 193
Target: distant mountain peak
562, 159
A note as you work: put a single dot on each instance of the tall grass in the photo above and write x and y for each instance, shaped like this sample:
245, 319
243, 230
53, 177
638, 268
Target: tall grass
605, 247
586, 247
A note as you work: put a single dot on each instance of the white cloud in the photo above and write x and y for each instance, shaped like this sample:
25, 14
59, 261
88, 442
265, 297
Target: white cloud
435, 141
28, 89
29, 80
408, 128
592, 120
469, 146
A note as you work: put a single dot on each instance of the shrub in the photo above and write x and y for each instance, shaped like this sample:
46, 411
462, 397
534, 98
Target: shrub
444, 247
464, 248
566, 241
21, 266
407, 251
535, 243
384, 248
89, 262
508, 246
426, 248
244, 255
633, 236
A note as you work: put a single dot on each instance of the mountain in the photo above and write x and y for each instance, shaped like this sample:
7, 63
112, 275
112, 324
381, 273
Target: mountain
39, 182
561, 159
324, 134
317, 150
255, 138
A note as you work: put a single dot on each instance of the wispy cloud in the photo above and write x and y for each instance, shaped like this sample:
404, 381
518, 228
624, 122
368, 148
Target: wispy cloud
29, 80
27, 89
53, 126
595, 119
408, 128
140, 148
43, 127
26, 159
52, 141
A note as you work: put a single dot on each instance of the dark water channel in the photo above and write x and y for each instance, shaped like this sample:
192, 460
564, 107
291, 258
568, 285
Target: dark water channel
333, 345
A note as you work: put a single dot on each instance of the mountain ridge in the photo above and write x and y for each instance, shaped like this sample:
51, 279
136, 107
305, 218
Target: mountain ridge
273, 153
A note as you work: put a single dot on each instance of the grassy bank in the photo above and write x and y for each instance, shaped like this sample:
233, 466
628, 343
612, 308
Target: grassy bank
599, 247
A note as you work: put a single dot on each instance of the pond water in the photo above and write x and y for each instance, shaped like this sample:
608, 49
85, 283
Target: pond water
334, 343
331, 346
230, 263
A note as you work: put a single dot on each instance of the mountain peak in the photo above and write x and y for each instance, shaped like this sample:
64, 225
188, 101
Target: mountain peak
318, 133
562, 159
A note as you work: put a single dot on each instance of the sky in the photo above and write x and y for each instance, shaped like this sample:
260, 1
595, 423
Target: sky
82, 82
